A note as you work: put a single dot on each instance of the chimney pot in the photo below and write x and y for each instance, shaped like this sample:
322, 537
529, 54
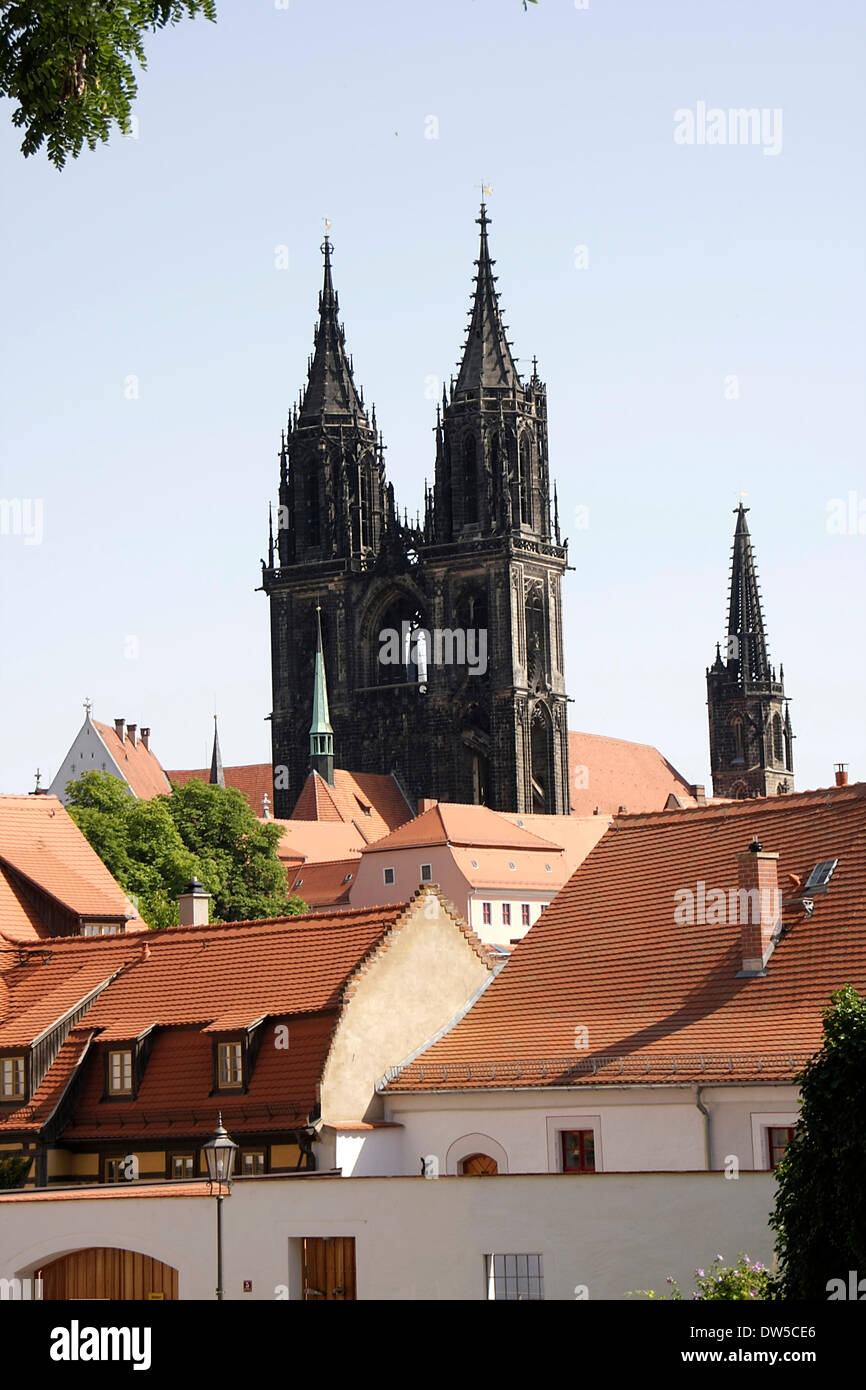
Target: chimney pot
130, 729
194, 905
841, 774
118, 728
145, 737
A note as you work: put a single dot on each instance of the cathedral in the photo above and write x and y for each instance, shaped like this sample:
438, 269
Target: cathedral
433, 651
441, 640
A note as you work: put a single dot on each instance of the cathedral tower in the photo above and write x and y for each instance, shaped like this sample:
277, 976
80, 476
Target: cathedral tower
751, 752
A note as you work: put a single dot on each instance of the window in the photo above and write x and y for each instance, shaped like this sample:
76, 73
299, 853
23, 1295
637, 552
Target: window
100, 929
348, 878
251, 1162
388, 875
426, 873
470, 482
778, 1139
479, 1166
524, 914
525, 482
231, 1066
124, 1169
12, 1078
120, 1073
511, 864
506, 914
514, 1277
578, 1151
181, 1166
486, 914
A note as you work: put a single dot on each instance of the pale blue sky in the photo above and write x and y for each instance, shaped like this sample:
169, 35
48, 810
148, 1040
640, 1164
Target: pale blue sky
155, 257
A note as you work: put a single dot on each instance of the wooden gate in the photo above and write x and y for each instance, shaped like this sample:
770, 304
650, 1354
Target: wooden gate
329, 1268
105, 1272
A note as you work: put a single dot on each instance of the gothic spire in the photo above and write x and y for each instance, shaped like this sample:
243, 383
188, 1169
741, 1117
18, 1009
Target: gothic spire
321, 732
330, 389
487, 361
217, 778
745, 620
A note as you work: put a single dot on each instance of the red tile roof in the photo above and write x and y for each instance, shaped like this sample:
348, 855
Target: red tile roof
620, 774
453, 823
254, 780
41, 846
139, 765
662, 1001
318, 842
368, 800
32, 1117
324, 885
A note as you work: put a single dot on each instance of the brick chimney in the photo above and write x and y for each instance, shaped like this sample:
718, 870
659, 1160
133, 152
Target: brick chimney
758, 906
194, 905
145, 737
699, 792
118, 728
130, 729
841, 774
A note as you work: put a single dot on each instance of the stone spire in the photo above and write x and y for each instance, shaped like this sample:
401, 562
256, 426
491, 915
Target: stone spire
487, 362
330, 393
745, 620
216, 778
321, 733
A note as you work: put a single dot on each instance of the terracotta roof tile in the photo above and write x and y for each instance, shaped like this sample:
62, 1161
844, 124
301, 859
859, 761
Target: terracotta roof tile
253, 780
32, 1117
139, 765
453, 823
617, 773
662, 1000
324, 885
370, 801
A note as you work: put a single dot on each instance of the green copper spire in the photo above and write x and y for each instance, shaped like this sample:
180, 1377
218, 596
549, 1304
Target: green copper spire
321, 733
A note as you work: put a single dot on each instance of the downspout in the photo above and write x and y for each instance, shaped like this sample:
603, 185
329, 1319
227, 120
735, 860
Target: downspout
708, 1143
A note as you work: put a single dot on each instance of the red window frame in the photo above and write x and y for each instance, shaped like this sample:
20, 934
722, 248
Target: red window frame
774, 1147
583, 1149
506, 914
486, 914
524, 914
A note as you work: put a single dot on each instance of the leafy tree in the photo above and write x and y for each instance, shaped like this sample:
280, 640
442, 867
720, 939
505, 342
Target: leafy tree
69, 65
820, 1211
14, 1169
153, 848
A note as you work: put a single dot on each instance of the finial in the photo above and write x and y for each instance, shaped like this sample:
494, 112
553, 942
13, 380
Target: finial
38, 778
270, 539
87, 707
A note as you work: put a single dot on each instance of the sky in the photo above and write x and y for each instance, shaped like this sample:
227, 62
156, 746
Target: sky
697, 309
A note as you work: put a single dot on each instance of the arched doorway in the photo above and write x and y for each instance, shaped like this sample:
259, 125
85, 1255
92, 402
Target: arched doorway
479, 1166
104, 1272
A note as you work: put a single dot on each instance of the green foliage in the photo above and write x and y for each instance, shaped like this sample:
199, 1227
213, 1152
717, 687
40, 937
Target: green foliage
69, 65
14, 1169
744, 1280
153, 848
820, 1211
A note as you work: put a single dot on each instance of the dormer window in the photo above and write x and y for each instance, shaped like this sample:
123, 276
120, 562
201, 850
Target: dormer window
230, 1066
120, 1072
13, 1079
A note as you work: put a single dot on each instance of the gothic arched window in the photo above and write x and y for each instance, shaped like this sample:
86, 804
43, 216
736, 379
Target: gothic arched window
541, 757
737, 737
470, 481
778, 742
401, 645
311, 498
525, 481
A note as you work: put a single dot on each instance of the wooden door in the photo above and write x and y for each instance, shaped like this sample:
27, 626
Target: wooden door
329, 1269
479, 1166
104, 1272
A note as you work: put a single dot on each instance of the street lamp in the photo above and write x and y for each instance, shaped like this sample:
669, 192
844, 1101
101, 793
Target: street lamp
219, 1153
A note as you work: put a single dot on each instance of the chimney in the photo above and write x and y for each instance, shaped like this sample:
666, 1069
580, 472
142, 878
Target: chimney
266, 807
118, 728
699, 792
758, 906
145, 737
841, 774
130, 729
194, 905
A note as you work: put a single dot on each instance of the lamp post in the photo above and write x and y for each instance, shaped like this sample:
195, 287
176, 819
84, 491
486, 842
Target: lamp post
219, 1153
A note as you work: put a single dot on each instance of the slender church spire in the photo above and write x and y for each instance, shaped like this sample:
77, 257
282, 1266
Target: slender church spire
745, 620
487, 361
330, 389
216, 778
321, 733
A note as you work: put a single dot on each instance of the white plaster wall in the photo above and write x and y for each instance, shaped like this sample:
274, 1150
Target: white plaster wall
416, 1238
638, 1129
89, 754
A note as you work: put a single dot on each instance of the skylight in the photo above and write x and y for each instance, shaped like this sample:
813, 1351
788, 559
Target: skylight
820, 876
